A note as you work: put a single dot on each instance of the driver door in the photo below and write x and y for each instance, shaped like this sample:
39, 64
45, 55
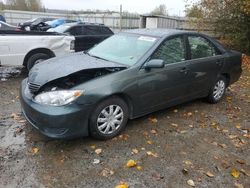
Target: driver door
166, 86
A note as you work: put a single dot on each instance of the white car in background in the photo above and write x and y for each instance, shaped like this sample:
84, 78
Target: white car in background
28, 49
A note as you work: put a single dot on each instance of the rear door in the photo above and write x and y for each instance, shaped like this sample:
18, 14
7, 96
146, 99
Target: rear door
205, 64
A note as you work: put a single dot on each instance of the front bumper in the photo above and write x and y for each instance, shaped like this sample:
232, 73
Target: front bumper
69, 121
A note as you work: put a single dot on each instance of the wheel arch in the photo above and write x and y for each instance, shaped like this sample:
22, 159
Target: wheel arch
125, 98
227, 77
35, 51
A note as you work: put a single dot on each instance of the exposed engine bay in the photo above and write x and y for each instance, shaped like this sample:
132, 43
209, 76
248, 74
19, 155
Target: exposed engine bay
78, 78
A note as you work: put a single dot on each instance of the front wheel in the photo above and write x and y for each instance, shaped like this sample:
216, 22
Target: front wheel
109, 118
35, 59
217, 91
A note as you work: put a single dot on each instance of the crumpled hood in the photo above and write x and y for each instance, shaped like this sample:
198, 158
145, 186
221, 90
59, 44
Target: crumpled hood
55, 68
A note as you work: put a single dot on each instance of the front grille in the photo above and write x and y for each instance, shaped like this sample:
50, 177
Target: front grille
33, 87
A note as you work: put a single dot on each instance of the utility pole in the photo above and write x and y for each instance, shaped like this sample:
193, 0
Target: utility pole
120, 17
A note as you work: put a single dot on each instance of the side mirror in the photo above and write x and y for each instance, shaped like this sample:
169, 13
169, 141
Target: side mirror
154, 63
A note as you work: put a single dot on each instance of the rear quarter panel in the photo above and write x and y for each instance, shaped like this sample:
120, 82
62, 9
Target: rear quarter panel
232, 66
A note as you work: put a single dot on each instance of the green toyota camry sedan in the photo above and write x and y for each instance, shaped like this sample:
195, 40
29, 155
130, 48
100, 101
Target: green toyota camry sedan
126, 76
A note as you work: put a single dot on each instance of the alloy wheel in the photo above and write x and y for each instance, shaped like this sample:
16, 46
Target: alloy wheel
110, 119
219, 90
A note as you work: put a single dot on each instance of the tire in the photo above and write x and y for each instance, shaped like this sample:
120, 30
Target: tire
217, 91
114, 126
36, 58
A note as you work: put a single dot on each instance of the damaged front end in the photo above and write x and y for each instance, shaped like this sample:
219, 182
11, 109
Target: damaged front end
77, 78
59, 92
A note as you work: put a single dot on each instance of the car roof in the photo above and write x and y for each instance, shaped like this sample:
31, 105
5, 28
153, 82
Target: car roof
82, 24
159, 32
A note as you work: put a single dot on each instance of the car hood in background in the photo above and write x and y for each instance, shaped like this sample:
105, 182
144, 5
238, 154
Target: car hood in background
55, 68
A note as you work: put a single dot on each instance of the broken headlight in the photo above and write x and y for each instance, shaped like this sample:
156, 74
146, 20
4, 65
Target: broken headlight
58, 98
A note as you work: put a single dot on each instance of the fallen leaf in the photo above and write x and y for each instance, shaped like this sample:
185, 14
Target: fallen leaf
225, 131
98, 151
183, 131
238, 185
14, 116
232, 136
185, 171
122, 185
35, 150
187, 162
150, 153
174, 124
223, 145
107, 172
153, 131
235, 173
240, 161
238, 126
22, 121
247, 135
209, 174
191, 183
245, 172
96, 161
131, 163
149, 142
214, 125
135, 151
145, 133
139, 167
153, 120
124, 136
225, 164
19, 130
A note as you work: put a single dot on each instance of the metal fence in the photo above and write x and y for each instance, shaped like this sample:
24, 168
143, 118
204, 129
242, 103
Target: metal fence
114, 20
111, 19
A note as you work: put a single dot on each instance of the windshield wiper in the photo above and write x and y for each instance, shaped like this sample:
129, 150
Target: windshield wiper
95, 56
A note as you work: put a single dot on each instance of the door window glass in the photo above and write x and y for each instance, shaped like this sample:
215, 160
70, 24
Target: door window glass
171, 51
76, 31
200, 47
92, 30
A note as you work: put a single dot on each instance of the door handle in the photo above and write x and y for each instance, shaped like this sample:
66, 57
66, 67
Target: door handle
184, 70
219, 63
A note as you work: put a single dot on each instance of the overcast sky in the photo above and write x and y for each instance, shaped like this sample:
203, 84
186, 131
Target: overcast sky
174, 7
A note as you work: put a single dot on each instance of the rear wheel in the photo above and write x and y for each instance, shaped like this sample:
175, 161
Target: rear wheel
217, 91
36, 58
109, 118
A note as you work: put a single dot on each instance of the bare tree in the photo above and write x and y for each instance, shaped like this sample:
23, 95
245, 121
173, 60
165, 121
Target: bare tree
26, 5
160, 10
1, 5
34, 5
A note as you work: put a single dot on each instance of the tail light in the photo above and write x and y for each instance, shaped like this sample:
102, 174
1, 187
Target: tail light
72, 45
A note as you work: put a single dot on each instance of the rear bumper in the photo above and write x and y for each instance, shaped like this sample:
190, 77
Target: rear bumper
69, 121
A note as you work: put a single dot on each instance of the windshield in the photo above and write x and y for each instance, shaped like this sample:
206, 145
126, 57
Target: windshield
122, 48
60, 29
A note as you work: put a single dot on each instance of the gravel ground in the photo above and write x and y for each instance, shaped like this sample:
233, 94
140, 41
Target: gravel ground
194, 143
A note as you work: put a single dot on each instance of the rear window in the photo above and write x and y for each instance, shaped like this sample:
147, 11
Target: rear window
106, 30
97, 30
